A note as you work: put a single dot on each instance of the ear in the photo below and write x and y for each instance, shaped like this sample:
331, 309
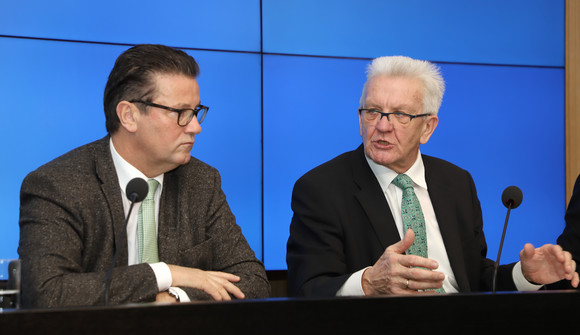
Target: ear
128, 114
430, 125
360, 124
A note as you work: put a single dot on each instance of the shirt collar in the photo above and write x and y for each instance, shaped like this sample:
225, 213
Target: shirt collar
385, 175
126, 172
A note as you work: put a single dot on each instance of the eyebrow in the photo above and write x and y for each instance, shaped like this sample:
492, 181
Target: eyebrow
398, 107
186, 106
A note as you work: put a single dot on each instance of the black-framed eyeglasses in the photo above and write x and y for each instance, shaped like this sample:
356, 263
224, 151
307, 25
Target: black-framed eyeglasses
372, 115
185, 115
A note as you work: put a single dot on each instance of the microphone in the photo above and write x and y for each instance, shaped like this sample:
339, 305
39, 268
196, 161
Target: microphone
511, 198
136, 191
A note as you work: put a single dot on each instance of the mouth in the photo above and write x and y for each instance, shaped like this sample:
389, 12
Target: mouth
383, 143
187, 144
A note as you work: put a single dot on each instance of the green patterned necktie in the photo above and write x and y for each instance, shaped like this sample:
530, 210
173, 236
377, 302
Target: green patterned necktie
413, 217
147, 229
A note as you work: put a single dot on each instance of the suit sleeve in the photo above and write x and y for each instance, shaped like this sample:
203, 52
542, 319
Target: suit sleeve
570, 237
54, 244
569, 240
225, 249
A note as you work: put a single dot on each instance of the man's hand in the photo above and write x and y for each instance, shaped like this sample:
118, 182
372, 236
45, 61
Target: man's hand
548, 264
396, 273
219, 285
165, 298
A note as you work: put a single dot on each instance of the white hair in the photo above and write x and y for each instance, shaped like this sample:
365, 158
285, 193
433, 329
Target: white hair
401, 66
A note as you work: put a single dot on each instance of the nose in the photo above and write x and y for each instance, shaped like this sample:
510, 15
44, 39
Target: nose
384, 124
193, 127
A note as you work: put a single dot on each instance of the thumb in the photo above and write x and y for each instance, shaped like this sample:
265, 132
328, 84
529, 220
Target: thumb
404, 244
527, 252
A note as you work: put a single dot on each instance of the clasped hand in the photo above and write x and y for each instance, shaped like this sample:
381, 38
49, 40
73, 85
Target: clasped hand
219, 285
396, 273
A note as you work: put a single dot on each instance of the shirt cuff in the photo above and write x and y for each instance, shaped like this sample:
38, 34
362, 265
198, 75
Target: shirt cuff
183, 297
522, 284
163, 275
353, 285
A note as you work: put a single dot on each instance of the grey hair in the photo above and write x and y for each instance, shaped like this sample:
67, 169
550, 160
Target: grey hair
401, 66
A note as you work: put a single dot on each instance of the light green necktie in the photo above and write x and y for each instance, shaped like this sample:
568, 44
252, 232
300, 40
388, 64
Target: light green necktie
147, 229
413, 217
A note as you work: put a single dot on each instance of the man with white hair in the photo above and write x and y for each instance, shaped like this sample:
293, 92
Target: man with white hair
386, 219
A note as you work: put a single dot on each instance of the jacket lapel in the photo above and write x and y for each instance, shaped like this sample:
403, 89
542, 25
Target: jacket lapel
168, 219
373, 201
441, 194
110, 188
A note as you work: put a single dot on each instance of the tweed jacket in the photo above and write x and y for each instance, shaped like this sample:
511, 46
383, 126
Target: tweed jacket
71, 214
342, 223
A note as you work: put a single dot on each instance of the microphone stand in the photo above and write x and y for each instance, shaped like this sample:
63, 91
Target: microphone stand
496, 265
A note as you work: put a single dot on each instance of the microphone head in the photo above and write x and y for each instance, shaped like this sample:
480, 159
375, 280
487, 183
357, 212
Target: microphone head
512, 197
137, 189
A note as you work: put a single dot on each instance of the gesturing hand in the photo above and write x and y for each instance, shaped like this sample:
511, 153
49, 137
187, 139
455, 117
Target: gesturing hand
219, 285
548, 264
396, 273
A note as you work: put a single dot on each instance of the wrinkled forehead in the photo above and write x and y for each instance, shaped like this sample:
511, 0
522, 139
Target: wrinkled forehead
398, 90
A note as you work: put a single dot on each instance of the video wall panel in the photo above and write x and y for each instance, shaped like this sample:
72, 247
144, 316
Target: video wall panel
497, 31
223, 24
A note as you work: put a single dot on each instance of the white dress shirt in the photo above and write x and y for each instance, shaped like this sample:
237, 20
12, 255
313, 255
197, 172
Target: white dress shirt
126, 172
435, 245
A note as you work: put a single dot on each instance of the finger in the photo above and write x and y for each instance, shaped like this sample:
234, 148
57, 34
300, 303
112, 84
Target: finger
217, 289
415, 285
575, 280
529, 249
225, 296
164, 297
225, 287
404, 244
235, 291
422, 279
418, 262
224, 275
555, 251
433, 281
404, 287
570, 267
214, 292
573, 263
569, 264
527, 252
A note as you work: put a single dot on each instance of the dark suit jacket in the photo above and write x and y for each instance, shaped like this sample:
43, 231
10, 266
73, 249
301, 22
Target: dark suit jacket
343, 223
569, 240
71, 214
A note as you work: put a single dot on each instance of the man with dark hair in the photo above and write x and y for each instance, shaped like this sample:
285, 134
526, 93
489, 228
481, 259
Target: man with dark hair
182, 242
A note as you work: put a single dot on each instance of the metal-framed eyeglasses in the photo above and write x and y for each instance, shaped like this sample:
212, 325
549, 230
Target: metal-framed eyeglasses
185, 115
371, 115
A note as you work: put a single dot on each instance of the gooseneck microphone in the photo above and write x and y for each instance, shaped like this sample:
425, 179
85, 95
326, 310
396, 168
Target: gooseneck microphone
136, 191
511, 198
